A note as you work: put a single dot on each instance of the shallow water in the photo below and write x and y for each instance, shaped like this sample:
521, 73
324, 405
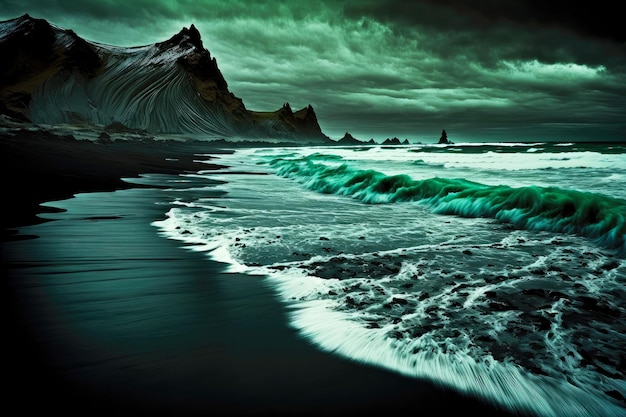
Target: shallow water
106, 317
494, 269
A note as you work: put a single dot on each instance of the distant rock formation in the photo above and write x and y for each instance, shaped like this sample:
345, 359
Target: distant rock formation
392, 141
52, 76
444, 139
348, 139
286, 122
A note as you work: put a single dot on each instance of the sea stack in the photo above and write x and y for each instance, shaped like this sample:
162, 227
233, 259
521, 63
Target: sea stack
348, 139
392, 141
444, 138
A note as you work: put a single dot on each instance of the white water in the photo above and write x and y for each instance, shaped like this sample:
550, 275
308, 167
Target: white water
532, 320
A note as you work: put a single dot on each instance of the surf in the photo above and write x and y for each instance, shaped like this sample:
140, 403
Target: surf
598, 217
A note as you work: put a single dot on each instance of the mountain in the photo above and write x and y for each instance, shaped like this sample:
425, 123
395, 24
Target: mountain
49, 75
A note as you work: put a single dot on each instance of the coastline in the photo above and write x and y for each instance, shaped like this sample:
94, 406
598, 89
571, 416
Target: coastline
208, 343
41, 166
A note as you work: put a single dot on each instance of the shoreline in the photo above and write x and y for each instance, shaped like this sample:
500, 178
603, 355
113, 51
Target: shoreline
42, 166
225, 349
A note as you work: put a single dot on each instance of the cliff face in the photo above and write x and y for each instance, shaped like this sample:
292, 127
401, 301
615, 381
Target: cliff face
285, 120
49, 75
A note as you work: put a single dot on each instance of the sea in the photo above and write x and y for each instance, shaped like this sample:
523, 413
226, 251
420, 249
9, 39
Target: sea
493, 269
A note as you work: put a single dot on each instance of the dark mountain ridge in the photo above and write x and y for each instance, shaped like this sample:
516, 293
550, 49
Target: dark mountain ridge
49, 75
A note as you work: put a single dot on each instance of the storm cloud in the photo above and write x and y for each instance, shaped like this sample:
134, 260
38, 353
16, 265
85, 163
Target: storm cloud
484, 70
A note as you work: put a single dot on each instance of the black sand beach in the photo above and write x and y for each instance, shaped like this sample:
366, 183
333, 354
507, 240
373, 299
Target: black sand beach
106, 317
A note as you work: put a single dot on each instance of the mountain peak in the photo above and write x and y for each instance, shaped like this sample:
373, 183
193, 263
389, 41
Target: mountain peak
194, 36
186, 37
54, 76
26, 27
286, 109
25, 18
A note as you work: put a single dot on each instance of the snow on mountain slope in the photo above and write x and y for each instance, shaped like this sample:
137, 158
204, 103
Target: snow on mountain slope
55, 77
161, 100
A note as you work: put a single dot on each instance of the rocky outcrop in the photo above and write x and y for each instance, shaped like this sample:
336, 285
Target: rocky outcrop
284, 122
51, 76
306, 124
348, 139
392, 141
444, 139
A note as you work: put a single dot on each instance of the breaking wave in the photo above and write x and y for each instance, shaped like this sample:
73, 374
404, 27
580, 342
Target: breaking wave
595, 216
499, 312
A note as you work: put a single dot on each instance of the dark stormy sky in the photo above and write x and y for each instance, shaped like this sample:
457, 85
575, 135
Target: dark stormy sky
483, 69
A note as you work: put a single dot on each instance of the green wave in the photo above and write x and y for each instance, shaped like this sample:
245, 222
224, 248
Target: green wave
595, 216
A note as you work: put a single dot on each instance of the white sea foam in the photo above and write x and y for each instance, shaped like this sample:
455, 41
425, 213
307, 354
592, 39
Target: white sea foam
502, 313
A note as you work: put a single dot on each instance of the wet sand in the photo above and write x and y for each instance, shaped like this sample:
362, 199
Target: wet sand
107, 317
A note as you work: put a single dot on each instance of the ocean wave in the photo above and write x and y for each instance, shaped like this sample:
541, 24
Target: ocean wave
524, 147
598, 217
467, 303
